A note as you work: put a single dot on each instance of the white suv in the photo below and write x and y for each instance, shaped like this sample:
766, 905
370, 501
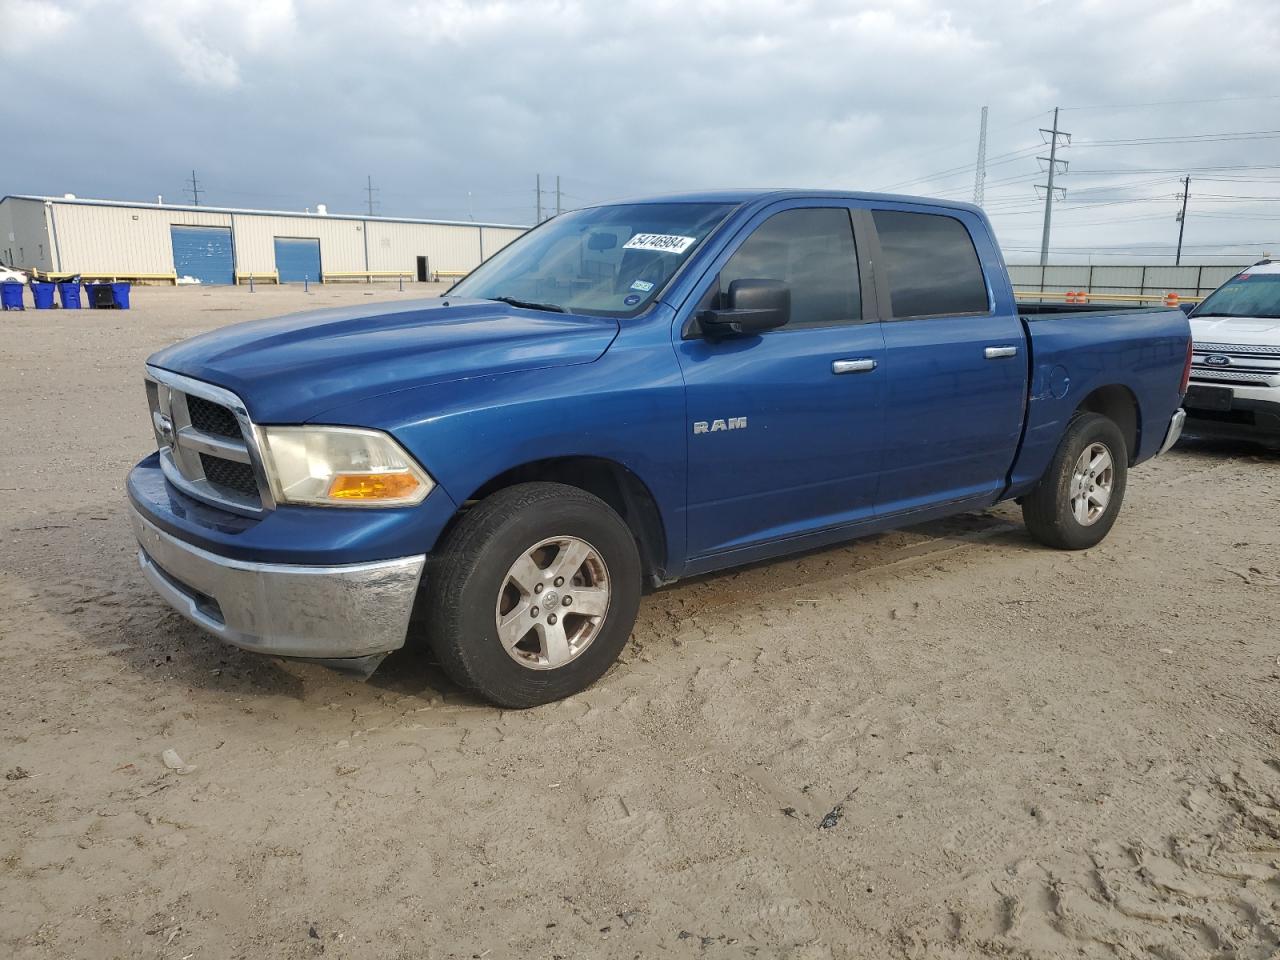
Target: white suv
1235, 374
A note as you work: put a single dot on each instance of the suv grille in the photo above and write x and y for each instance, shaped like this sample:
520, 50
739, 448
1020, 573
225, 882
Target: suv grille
212, 418
204, 451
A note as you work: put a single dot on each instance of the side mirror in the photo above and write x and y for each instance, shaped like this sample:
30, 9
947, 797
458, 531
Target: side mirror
754, 307
1187, 307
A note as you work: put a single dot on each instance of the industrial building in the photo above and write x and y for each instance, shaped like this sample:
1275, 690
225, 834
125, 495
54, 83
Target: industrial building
161, 243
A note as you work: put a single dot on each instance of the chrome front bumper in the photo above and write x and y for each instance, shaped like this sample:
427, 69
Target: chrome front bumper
1175, 430
335, 612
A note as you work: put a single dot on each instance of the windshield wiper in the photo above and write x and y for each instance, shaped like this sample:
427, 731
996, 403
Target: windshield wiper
530, 304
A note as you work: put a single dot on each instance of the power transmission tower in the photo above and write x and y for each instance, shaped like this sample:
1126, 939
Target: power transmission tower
538, 192
980, 172
1053, 161
370, 190
1182, 217
194, 189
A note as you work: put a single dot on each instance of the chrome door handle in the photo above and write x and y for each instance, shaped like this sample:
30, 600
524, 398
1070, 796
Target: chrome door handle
865, 365
995, 353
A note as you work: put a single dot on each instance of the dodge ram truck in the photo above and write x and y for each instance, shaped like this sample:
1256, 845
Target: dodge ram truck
626, 395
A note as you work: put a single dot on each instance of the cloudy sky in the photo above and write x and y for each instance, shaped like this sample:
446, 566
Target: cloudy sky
452, 107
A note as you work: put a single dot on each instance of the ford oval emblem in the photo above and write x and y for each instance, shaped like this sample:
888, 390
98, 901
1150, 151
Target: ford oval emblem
1218, 360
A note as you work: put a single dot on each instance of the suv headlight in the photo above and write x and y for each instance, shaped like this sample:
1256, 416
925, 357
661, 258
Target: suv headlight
341, 467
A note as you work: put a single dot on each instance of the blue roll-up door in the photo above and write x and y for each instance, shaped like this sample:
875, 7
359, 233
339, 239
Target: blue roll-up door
297, 258
204, 253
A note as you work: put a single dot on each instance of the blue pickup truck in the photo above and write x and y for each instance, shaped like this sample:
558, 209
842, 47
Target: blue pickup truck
629, 394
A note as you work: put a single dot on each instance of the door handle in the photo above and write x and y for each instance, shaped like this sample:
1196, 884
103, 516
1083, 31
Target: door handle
864, 365
995, 353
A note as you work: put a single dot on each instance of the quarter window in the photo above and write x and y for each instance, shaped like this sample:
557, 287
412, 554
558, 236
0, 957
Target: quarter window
931, 263
812, 251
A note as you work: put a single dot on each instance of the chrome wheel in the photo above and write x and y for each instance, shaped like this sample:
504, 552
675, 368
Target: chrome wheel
552, 603
1092, 481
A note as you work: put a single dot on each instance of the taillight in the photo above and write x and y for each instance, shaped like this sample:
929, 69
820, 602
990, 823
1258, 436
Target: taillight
1186, 369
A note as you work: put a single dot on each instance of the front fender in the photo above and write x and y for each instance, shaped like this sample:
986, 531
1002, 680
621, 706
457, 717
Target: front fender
627, 406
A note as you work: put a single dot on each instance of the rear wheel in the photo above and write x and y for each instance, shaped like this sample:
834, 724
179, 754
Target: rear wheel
1076, 502
534, 594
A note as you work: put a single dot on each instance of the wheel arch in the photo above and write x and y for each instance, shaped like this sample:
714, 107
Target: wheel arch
1120, 405
607, 479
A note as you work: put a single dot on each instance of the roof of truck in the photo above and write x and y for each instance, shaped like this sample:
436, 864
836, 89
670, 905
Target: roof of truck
757, 194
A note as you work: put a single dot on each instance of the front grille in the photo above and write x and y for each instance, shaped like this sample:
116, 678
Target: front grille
229, 474
213, 418
1220, 375
1253, 349
204, 451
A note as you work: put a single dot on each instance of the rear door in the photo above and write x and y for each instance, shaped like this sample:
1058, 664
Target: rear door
784, 428
955, 354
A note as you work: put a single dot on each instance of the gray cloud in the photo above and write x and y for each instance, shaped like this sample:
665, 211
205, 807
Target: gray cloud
284, 104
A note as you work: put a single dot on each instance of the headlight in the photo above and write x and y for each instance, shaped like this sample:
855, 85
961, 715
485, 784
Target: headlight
341, 467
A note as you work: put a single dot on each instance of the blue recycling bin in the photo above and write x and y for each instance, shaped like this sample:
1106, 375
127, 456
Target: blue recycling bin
11, 295
120, 295
42, 293
69, 295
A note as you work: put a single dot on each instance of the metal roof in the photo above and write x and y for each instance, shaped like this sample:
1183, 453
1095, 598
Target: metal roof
246, 211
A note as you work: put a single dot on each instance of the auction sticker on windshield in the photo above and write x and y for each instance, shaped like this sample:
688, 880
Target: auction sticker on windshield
662, 242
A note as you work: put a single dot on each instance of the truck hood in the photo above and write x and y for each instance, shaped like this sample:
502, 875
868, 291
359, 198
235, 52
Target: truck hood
1258, 331
290, 369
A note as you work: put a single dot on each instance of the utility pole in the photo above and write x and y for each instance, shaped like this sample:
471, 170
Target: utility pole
370, 190
1182, 218
980, 171
194, 189
1054, 134
558, 209
538, 190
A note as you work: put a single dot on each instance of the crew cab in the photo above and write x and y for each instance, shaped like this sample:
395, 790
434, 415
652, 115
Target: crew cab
1235, 374
629, 394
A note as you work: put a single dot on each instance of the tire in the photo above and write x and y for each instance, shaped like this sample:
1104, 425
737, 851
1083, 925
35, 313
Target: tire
1051, 514
510, 545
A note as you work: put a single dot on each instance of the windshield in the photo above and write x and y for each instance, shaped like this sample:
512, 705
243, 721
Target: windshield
609, 261
1245, 295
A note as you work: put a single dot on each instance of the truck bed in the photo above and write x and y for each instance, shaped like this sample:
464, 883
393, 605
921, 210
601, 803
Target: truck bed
1045, 311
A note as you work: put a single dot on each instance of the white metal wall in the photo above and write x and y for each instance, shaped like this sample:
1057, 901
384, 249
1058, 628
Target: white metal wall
24, 234
99, 239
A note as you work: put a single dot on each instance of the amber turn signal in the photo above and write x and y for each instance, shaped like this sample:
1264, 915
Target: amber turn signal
373, 486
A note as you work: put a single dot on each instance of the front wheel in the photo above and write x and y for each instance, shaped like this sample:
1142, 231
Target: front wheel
1076, 501
534, 594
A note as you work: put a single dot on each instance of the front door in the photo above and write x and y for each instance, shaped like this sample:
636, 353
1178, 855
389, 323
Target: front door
956, 355
784, 430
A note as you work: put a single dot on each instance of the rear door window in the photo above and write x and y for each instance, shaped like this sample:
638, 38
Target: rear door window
812, 251
931, 264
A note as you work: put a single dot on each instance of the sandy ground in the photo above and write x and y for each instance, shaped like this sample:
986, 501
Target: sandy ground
945, 742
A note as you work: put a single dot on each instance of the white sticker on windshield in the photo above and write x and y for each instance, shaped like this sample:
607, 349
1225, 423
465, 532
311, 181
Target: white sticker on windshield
644, 286
662, 242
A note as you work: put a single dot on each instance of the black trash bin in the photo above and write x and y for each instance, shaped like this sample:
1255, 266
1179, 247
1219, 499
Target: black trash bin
101, 296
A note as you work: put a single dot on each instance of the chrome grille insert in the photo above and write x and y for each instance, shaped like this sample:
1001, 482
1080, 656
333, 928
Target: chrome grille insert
1227, 375
208, 445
